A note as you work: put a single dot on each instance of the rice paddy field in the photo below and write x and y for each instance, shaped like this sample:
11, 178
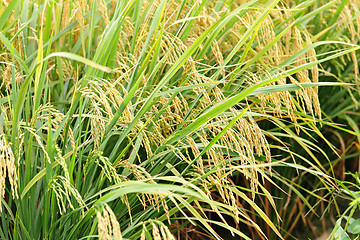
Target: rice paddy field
179, 119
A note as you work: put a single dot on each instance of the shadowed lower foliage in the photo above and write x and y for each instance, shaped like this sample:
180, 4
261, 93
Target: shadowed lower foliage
173, 119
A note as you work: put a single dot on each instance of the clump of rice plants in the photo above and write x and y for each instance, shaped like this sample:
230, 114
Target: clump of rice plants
165, 119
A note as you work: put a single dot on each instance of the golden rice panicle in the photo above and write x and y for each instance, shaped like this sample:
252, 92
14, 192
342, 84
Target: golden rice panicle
127, 32
59, 192
66, 12
292, 42
230, 197
81, 8
155, 232
7, 168
311, 56
196, 152
172, 115
108, 225
115, 224
155, 136
218, 56
146, 143
146, 200
203, 22
107, 169
180, 105
212, 157
149, 12
348, 14
69, 70
60, 159
7, 77
206, 18
104, 225
105, 98
172, 47
104, 12
274, 56
260, 143
308, 96
222, 185
46, 112
75, 11
252, 141
159, 231
165, 232
245, 137
139, 172
265, 35
125, 63
64, 191
124, 58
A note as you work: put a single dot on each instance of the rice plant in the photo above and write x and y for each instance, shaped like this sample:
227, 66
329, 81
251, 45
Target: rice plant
159, 119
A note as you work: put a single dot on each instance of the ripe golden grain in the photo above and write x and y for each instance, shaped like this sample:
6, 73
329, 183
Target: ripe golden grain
8, 169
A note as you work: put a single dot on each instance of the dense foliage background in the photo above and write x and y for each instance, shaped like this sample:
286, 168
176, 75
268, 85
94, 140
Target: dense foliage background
179, 119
